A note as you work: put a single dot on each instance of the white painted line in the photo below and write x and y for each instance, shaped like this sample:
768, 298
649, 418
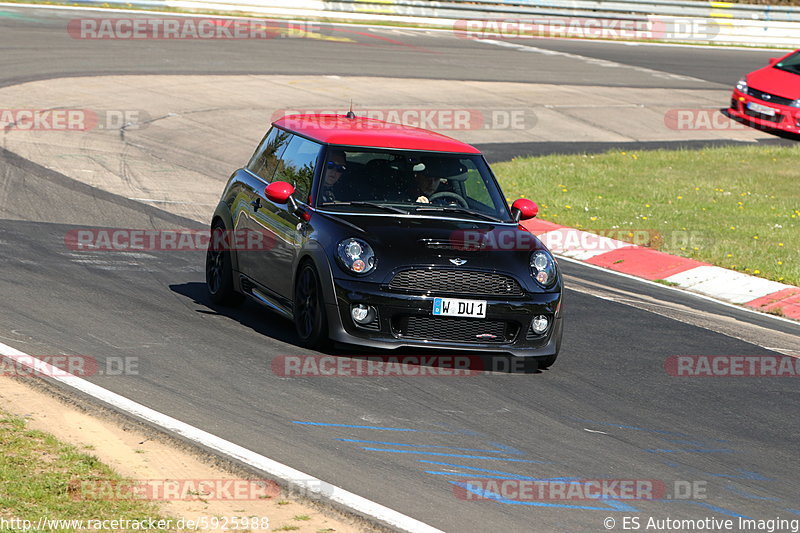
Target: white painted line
578, 244
591, 60
727, 284
679, 290
302, 481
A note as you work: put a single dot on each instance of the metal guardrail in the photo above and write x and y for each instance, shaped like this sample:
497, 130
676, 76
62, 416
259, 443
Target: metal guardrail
676, 8
663, 20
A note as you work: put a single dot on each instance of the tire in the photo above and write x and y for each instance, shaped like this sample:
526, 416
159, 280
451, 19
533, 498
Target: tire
219, 270
310, 318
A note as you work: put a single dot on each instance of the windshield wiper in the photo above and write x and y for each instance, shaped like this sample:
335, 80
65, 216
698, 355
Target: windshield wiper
453, 209
368, 204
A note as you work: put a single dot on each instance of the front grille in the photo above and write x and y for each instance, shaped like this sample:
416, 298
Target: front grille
776, 119
452, 245
468, 282
466, 330
768, 97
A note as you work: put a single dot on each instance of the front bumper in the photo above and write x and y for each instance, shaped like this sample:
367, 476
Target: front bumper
406, 320
786, 118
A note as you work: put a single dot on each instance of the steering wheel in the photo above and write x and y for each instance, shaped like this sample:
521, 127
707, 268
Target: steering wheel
451, 195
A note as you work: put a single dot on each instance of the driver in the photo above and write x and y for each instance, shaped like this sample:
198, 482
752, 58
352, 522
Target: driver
332, 187
424, 185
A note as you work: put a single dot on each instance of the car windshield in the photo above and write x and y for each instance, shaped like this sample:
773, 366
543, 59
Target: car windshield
383, 180
790, 64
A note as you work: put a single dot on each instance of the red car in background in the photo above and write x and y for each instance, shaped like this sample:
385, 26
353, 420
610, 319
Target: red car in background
769, 98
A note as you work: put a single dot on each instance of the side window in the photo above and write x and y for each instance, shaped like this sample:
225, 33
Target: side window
265, 159
297, 165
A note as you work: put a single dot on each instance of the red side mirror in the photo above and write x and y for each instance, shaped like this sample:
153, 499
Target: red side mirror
279, 192
774, 61
525, 208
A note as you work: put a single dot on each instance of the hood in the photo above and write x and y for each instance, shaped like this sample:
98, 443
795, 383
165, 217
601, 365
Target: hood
775, 81
404, 241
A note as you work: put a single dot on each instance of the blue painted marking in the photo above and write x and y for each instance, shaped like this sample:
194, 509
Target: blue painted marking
743, 474
379, 428
749, 495
485, 476
615, 504
696, 442
621, 506
695, 450
708, 506
509, 449
423, 446
488, 471
413, 452
795, 511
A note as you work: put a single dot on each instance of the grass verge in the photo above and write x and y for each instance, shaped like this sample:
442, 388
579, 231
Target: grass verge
735, 207
39, 476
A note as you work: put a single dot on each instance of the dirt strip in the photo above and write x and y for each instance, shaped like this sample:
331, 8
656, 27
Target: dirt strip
145, 456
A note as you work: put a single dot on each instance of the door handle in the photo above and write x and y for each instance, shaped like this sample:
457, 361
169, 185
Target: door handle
256, 204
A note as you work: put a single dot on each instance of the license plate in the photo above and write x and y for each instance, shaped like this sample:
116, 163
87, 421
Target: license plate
764, 110
456, 307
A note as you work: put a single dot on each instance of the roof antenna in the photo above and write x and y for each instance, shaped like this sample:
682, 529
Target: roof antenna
350, 113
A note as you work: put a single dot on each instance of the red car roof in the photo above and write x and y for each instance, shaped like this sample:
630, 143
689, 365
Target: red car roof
367, 132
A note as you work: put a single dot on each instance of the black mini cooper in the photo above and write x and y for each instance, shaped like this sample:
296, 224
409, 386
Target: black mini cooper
377, 234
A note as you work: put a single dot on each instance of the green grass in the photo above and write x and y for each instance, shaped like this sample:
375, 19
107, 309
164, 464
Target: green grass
40, 478
736, 207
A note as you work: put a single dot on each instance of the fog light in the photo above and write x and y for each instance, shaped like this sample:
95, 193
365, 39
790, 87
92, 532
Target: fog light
362, 314
540, 324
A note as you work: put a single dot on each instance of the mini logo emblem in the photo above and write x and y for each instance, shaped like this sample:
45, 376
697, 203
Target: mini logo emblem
458, 262
767, 96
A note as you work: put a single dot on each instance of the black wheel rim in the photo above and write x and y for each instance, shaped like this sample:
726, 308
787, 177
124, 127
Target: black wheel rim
307, 304
215, 264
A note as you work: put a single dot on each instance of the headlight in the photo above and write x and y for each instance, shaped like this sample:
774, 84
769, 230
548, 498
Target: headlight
355, 256
742, 85
543, 269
